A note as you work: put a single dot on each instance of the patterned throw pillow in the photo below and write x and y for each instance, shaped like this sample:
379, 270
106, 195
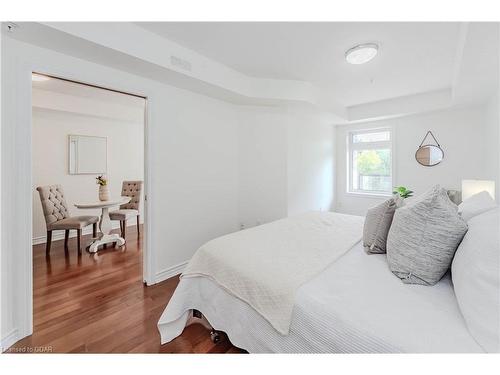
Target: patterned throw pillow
377, 223
423, 238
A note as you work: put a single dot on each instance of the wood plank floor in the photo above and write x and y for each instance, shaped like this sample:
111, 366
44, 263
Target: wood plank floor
97, 303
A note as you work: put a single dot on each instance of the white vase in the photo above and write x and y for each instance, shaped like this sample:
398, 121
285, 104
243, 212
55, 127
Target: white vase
103, 193
400, 201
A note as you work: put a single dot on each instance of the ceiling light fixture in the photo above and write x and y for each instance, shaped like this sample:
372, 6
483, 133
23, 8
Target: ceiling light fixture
361, 53
39, 77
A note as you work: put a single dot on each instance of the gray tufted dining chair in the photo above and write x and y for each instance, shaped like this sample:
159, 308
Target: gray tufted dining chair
57, 217
131, 209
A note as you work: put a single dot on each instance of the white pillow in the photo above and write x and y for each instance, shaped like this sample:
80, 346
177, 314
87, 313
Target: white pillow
475, 205
476, 278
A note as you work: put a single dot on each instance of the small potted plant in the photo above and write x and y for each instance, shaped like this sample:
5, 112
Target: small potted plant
103, 187
400, 194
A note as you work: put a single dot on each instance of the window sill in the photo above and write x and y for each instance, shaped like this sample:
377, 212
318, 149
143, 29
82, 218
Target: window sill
369, 195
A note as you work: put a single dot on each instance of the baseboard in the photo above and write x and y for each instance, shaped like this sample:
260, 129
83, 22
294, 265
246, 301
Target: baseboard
10, 339
59, 234
170, 272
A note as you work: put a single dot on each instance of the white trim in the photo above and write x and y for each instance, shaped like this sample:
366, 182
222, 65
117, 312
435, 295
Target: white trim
394, 150
170, 272
10, 339
25, 190
148, 268
369, 194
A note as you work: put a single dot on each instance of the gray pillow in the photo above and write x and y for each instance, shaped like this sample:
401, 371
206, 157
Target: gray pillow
423, 238
377, 223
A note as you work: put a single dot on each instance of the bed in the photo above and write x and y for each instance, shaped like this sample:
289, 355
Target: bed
354, 305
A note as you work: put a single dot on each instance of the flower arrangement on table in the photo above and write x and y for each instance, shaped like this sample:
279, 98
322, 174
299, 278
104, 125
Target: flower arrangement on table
103, 187
101, 180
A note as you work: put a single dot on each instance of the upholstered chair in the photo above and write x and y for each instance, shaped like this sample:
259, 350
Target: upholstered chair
57, 217
129, 210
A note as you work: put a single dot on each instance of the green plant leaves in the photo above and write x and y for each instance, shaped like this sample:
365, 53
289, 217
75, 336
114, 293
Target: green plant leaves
403, 192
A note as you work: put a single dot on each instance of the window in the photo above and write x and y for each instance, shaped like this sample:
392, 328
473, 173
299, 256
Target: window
370, 161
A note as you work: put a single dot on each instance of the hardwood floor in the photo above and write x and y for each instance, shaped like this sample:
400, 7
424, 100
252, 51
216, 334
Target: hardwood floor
97, 303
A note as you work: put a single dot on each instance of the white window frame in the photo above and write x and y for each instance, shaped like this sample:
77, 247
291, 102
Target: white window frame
351, 147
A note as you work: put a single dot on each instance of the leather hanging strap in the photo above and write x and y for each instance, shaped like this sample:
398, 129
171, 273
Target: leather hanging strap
432, 135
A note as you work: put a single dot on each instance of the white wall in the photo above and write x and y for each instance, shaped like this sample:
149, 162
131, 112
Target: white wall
263, 164
195, 174
463, 133
51, 128
310, 166
492, 145
286, 163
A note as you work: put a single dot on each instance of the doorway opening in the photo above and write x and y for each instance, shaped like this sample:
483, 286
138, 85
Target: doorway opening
89, 211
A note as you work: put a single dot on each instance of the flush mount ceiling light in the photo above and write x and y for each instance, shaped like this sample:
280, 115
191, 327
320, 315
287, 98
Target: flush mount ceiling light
39, 77
361, 53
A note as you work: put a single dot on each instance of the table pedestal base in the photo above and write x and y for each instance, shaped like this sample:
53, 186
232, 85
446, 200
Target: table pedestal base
106, 238
105, 227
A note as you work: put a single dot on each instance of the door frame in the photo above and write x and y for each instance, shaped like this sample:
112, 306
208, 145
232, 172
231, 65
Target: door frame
148, 269
19, 60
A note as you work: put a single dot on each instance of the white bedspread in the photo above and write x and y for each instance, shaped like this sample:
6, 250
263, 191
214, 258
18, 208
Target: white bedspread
265, 266
356, 305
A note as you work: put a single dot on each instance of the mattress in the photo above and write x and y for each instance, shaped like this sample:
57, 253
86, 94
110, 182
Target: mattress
356, 305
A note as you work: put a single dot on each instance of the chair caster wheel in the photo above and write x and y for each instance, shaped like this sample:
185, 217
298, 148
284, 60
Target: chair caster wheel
215, 336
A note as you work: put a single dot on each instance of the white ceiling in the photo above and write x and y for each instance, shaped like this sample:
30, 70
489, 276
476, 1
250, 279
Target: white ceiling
420, 67
413, 57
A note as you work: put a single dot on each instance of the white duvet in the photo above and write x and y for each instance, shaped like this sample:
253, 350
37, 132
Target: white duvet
356, 305
265, 266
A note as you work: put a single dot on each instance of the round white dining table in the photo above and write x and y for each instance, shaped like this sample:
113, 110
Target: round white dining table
104, 236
